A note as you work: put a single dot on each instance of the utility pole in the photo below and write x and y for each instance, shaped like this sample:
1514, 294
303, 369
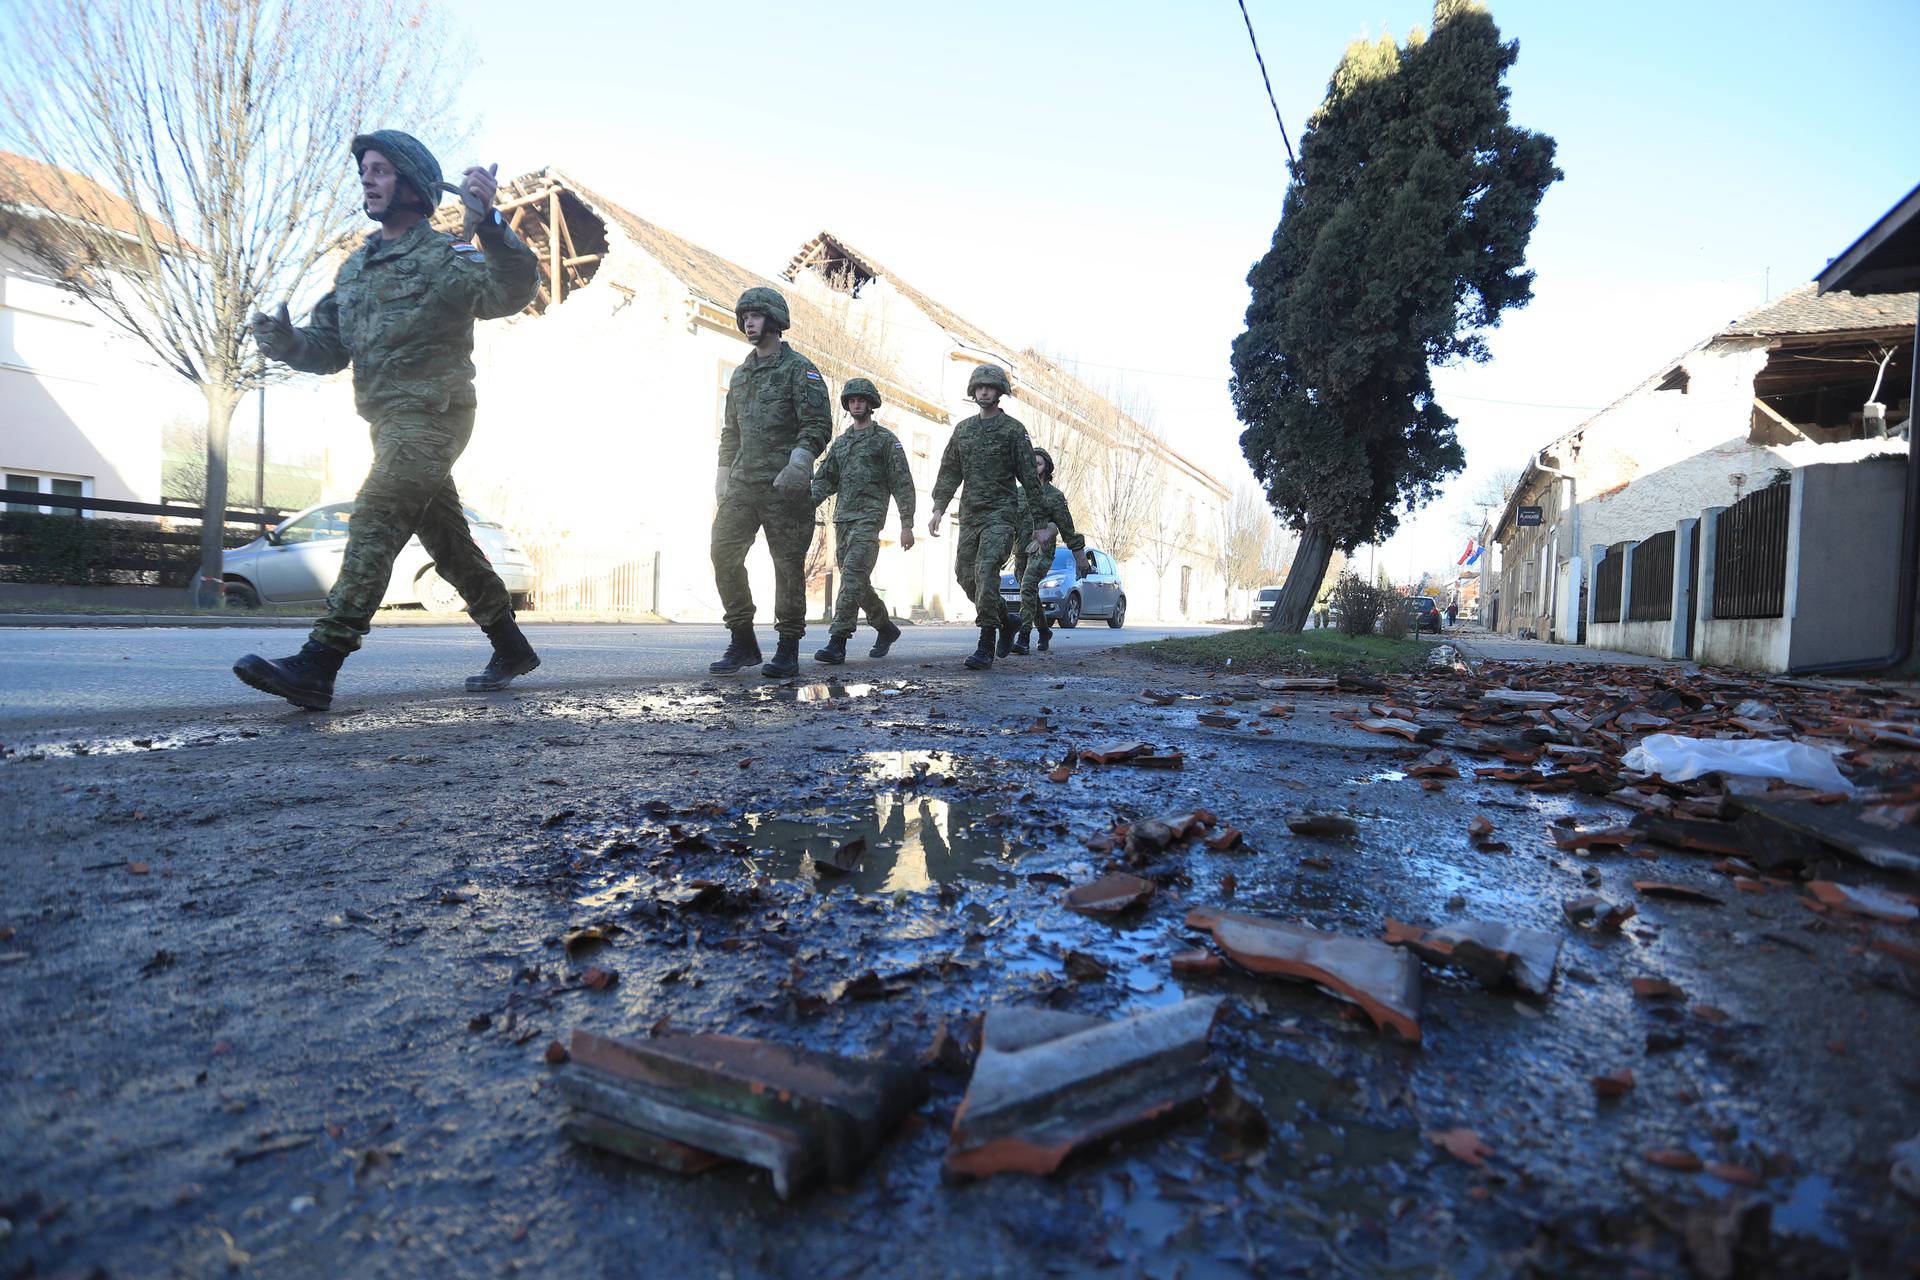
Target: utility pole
260, 458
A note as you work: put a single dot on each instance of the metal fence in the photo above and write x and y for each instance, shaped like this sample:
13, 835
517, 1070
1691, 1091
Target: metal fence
1652, 580
1607, 577
577, 580
64, 550
1750, 555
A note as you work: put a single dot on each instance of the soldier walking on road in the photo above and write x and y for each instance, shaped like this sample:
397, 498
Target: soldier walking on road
401, 313
865, 466
777, 423
987, 456
1035, 560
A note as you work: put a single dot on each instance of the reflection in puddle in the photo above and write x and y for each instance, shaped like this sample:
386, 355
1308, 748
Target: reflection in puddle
911, 768
74, 748
1384, 775
912, 843
826, 691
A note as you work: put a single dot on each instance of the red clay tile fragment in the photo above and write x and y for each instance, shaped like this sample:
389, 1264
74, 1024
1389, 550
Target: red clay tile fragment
1597, 838
1677, 1158
1493, 953
1110, 894
1217, 719
1400, 728
1115, 753
138, 868
1678, 892
1734, 1174
1228, 838
1597, 913
556, 1053
598, 979
1710, 1013
1863, 900
1327, 825
1464, 1145
1196, 962
1384, 981
1167, 760
1614, 1083
1060, 774
1154, 697
1048, 1083
1480, 827
1657, 989
1898, 950
1317, 863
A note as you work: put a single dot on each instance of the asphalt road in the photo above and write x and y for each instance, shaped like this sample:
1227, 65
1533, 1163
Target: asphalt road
61, 677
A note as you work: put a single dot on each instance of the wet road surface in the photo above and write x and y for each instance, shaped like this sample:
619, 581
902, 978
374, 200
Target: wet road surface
59, 676
277, 1005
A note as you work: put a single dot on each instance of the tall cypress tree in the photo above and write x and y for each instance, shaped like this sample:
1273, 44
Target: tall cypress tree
1401, 241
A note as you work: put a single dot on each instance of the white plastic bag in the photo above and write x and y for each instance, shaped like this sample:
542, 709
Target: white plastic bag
1677, 759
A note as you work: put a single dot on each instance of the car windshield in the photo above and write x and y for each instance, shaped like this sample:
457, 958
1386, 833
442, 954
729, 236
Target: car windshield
1062, 559
1269, 593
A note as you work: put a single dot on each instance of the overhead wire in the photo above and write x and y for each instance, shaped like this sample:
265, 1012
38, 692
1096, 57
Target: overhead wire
1267, 82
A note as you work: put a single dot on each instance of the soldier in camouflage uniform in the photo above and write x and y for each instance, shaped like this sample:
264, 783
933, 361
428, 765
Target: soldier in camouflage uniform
865, 466
987, 456
401, 313
777, 422
1035, 560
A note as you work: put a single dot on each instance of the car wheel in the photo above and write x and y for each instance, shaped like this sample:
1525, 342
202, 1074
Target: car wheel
1070, 612
1118, 618
436, 593
240, 595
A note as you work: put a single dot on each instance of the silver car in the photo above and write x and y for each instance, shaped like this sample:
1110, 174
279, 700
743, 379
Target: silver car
297, 560
1066, 597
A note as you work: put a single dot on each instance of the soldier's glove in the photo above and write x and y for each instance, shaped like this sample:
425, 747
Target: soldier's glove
721, 477
796, 477
1043, 539
1080, 565
275, 335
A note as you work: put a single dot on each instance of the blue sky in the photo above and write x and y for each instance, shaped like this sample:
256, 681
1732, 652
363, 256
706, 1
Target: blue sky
1097, 178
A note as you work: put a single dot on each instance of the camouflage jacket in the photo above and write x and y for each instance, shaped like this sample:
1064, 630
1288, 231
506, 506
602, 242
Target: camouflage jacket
1054, 511
402, 312
865, 466
984, 460
774, 406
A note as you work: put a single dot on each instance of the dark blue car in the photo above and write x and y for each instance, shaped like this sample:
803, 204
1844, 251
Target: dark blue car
1066, 597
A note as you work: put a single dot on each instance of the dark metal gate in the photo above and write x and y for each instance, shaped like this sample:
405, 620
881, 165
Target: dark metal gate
1750, 555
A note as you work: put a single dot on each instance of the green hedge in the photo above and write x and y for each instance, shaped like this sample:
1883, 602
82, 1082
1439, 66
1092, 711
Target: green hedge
71, 551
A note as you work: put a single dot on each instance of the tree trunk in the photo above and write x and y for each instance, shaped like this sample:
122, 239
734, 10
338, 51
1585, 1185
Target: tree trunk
205, 590
1303, 584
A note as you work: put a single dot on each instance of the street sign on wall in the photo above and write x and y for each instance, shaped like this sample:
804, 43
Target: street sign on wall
1529, 516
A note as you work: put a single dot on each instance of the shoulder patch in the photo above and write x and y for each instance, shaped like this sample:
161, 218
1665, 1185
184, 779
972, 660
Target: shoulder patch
814, 375
466, 248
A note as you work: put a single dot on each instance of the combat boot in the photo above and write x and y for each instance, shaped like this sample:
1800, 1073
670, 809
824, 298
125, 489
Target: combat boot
742, 651
1020, 642
305, 679
1046, 637
786, 659
982, 658
833, 653
1004, 645
512, 656
884, 641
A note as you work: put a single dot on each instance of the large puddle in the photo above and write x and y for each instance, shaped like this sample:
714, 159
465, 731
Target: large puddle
907, 844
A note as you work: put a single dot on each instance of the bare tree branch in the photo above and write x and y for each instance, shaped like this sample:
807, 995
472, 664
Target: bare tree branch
195, 163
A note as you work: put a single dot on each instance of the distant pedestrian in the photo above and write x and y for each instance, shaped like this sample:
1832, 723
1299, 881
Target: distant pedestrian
776, 423
865, 466
1034, 560
401, 313
988, 455
1453, 613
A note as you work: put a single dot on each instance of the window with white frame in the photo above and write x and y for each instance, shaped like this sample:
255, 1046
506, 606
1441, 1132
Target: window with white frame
39, 482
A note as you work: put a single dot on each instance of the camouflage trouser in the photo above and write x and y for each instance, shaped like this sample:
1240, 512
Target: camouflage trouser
410, 490
744, 513
1031, 614
856, 547
982, 549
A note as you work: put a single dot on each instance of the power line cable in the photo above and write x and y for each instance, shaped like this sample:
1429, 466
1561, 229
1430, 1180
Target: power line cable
1263, 80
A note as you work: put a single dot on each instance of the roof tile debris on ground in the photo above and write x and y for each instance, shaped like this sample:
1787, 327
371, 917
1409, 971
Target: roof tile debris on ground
686, 1101
1384, 981
1049, 1083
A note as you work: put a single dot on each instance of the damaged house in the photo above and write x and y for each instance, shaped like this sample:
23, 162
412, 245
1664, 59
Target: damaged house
601, 411
1805, 380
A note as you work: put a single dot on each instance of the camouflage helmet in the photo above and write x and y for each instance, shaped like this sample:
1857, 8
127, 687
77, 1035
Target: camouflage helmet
409, 157
860, 387
1041, 455
989, 375
767, 302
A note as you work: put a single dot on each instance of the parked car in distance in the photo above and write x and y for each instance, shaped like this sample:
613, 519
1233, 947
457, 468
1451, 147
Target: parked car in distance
1066, 597
1426, 613
1263, 601
297, 560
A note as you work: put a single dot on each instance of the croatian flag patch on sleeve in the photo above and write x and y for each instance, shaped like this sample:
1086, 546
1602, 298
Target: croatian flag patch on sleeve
814, 375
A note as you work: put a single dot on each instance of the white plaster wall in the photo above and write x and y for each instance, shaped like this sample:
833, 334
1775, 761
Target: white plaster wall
80, 398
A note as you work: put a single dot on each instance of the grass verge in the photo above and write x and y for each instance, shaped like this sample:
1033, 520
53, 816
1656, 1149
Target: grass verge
1257, 649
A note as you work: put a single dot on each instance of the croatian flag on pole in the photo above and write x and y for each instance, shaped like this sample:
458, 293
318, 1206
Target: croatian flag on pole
1471, 554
